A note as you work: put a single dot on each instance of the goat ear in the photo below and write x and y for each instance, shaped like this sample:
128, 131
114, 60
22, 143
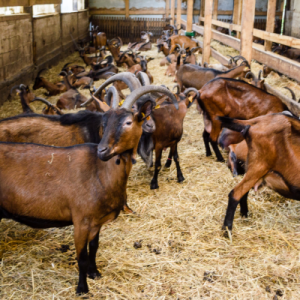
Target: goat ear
145, 110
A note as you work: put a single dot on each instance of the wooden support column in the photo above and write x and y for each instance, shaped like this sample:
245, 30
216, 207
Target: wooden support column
178, 15
167, 8
207, 31
237, 14
126, 8
248, 16
215, 12
189, 23
173, 12
202, 6
270, 22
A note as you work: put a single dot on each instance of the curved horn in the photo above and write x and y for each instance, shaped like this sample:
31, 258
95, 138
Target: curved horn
112, 91
42, 100
292, 92
143, 78
178, 88
259, 74
136, 94
128, 78
13, 88
250, 74
187, 91
237, 57
40, 72
205, 65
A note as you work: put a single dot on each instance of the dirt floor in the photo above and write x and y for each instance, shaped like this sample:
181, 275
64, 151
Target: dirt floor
183, 253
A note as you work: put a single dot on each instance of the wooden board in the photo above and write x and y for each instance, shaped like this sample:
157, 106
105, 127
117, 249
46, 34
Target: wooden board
207, 31
189, 23
178, 14
270, 21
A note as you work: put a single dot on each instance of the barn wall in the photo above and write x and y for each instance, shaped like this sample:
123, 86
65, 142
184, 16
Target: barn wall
28, 44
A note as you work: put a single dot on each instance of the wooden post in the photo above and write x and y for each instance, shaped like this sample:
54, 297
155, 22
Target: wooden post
173, 12
207, 31
241, 3
270, 22
126, 8
167, 8
215, 12
189, 12
202, 5
248, 16
178, 15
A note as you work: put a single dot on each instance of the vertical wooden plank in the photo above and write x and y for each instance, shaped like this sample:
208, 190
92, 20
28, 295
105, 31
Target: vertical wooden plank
215, 12
173, 12
167, 8
126, 8
178, 15
202, 7
189, 23
240, 7
248, 16
207, 30
271, 14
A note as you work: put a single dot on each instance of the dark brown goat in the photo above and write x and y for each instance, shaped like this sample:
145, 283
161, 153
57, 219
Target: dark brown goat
53, 89
256, 81
104, 196
195, 76
273, 159
26, 96
235, 99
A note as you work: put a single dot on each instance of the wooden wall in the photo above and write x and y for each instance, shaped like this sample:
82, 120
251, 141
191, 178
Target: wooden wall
28, 44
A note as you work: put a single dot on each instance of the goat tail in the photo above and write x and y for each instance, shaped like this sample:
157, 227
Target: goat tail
235, 125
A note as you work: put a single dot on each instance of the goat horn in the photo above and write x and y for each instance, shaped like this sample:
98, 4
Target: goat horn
143, 78
42, 100
40, 72
112, 91
292, 92
259, 74
178, 88
128, 78
13, 88
136, 94
250, 74
187, 91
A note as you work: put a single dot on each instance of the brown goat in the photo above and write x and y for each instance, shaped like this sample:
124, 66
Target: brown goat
273, 159
26, 96
181, 40
104, 196
235, 99
142, 46
196, 76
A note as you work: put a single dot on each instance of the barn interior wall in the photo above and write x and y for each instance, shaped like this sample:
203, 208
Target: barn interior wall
28, 44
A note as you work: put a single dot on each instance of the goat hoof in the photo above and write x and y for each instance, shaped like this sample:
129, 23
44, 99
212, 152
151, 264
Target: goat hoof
154, 185
220, 160
168, 164
244, 214
208, 154
226, 232
94, 274
82, 289
180, 178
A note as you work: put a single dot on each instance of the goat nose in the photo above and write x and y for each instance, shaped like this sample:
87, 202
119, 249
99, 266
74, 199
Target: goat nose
149, 125
101, 150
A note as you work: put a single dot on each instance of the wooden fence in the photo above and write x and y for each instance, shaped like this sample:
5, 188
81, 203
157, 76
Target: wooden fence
259, 23
129, 29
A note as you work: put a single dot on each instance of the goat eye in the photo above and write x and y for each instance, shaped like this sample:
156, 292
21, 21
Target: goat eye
129, 123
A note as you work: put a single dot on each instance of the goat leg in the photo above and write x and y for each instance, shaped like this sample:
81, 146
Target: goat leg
244, 206
83, 261
176, 159
92, 272
205, 136
154, 183
169, 160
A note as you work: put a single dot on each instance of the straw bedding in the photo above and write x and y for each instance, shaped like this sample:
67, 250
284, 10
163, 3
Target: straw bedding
183, 254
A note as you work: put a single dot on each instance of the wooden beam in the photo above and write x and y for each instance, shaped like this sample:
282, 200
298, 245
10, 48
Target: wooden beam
178, 14
172, 12
207, 31
202, 6
167, 13
248, 15
215, 11
126, 8
239, 19
4, 3
270, 22
189, 24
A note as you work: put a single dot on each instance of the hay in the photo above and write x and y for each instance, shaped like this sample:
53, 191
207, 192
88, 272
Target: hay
180, 222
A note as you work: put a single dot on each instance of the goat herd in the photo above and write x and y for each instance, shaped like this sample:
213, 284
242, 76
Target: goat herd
88, 155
